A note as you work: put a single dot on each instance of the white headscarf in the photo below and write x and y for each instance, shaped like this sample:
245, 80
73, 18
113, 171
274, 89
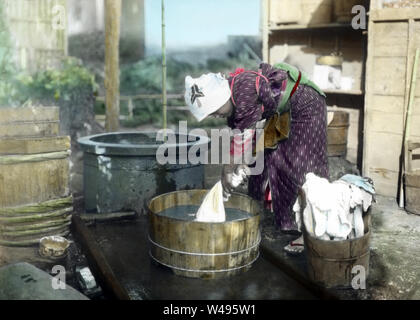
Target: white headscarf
206, 94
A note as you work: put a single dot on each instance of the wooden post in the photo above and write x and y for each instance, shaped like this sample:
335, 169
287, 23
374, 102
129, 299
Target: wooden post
112, 69
265, 30
406, 133
164, 98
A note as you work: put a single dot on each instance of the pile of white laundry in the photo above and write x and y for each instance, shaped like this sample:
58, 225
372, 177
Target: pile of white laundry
334, 211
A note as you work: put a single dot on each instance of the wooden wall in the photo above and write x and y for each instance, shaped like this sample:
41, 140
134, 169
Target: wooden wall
302, 47
38, 42
394, 34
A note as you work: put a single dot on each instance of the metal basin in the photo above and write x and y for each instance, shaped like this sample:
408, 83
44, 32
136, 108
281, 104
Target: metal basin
121, 172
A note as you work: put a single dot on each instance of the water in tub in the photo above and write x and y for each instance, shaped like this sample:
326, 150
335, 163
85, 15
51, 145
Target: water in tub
212, 209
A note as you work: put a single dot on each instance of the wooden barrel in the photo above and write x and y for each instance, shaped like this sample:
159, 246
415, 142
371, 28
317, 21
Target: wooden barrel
342, 10
331, 263
412, 181
337, 132
412, 192
316, 11
204, 250
28, 179
35, 199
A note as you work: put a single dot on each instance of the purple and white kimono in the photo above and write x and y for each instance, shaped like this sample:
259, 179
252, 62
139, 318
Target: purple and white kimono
304, 151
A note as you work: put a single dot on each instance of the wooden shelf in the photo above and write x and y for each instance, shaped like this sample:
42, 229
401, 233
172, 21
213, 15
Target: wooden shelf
344, 92
285, 27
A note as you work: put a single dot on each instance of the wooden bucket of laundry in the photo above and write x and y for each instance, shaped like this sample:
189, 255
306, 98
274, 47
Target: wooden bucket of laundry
412, 181
338, 263
337, 133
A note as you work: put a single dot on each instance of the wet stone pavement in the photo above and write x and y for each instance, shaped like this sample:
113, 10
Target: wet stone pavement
126, 249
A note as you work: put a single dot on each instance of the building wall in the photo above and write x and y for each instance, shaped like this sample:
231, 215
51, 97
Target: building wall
86, 17
301, 48
38, 32
132, 30
394, 34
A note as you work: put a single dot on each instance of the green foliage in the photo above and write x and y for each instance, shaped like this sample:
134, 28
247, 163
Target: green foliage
7, 69
145, 76
66, 83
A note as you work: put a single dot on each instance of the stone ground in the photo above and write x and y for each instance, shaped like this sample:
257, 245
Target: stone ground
74, 258
395, 252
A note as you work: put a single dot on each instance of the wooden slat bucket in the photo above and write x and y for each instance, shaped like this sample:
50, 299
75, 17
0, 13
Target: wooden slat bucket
331, 263
35, 198
337, 133
29, 122
204, 250
27, 179
412, 182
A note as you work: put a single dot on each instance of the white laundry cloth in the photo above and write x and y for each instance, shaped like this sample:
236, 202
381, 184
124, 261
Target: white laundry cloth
360, 202
325, 214
333, 210
212, 208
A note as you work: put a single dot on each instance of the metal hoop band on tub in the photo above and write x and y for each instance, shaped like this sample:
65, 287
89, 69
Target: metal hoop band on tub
205, 271
207, 254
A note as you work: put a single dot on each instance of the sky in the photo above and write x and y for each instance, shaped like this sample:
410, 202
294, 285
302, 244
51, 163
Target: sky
192, 23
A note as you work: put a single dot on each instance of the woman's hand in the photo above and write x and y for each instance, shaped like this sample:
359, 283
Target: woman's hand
227, 175
232, 177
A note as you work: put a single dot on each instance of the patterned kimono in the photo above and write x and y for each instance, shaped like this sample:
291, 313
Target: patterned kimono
304, 151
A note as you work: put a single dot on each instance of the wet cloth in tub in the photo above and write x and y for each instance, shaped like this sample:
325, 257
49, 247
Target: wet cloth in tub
212, 208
